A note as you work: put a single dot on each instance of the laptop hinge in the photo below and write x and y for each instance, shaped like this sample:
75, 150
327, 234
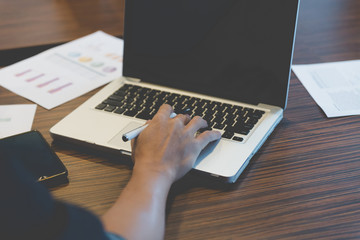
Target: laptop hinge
133, 79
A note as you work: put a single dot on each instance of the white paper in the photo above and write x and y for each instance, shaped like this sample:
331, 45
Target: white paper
16, 118
334, 86
65, 72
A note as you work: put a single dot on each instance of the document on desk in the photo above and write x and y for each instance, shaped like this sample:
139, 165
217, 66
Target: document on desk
334, 86
16, 118
65, 72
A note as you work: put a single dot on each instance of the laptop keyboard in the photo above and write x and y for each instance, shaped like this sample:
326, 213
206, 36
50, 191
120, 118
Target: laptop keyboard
234, 121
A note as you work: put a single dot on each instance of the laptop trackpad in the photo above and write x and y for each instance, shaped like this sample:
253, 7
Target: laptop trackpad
117, 139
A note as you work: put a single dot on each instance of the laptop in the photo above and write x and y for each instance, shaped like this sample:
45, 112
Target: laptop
227, 61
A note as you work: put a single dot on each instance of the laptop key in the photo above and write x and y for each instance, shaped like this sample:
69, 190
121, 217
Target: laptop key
239, 139
113, 103
229, 121
144, 114
101, 106
229, 128
130, 112
242, 131
248, 126
258, 114
119, 110
121, 93
110, 108
116, 98
252, 121
219, 126
227, 135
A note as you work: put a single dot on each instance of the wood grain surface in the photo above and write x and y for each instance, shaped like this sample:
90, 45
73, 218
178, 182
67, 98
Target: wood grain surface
28, 23
302, 184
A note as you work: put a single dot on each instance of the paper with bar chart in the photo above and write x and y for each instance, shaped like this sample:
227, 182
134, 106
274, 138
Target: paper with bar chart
60, 74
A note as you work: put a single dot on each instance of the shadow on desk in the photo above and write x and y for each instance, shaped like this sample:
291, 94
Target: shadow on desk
89, 154
193, 179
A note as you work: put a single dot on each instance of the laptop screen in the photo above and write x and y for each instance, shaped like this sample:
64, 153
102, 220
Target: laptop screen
234, 49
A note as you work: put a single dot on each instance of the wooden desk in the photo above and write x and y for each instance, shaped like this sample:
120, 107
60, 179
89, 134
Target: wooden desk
302, 184
29, 23
28, 27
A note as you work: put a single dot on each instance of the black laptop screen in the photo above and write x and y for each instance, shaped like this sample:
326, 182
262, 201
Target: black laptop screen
233, 49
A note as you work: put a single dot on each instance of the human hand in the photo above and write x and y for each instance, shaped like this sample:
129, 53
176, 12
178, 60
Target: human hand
169, 147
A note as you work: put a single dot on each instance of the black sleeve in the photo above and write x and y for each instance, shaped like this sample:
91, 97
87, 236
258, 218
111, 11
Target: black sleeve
28, 211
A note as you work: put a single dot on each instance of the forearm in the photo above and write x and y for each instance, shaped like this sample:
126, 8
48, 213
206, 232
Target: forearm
139, 212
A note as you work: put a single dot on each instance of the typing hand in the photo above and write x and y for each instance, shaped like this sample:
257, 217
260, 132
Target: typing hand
168, 147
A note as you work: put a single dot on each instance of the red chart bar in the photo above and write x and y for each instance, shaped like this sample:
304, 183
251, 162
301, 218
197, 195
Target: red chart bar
22, 73
34, 78
47, 83
59, 88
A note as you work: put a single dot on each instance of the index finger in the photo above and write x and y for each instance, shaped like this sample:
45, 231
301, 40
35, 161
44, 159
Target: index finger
164, 111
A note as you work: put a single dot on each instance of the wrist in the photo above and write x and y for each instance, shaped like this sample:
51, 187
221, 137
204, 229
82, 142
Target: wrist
152, 177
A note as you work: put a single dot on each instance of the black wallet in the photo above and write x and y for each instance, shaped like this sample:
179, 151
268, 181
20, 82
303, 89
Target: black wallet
35, 154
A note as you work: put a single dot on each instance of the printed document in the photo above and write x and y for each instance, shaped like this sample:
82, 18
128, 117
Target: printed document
62, 73
334, 86
16, 118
